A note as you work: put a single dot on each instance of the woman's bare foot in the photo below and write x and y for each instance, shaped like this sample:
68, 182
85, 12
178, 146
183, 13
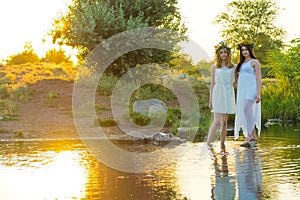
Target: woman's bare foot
223, 146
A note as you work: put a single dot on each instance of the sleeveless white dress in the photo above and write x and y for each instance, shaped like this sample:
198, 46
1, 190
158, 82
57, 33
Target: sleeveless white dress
223, 100
248, 112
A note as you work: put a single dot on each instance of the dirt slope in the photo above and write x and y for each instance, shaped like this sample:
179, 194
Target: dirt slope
44, 117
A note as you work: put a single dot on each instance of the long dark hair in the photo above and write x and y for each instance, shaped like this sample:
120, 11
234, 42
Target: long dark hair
242, 58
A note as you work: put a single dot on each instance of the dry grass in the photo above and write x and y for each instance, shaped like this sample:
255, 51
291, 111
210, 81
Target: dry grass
24, 74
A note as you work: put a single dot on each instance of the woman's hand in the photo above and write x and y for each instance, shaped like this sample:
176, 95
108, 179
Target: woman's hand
235, 84
257, 98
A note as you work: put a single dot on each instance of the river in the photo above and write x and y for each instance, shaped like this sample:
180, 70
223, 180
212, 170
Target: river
65, 169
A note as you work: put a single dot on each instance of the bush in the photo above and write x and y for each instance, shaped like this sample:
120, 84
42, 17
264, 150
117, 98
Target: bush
106, 84
7, 108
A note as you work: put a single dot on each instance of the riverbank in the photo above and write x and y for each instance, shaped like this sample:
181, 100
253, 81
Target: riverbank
48, 113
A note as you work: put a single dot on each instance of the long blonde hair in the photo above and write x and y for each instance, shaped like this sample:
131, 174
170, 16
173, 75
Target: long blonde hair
218, 61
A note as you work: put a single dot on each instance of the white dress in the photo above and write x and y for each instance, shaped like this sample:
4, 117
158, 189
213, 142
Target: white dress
248, 112
223, 100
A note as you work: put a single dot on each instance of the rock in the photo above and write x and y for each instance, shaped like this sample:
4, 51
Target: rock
158, 137
166, 137
182, 76
149, 106
187, 132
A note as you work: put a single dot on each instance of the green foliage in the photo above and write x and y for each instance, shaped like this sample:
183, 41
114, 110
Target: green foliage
56, 56
19, 93
281, 96
204, 68
4, 80
20, 134
151, 91
253, 21
87, 23
8, 98
52, 98
7, 108
100, 109
140, 119
52, 95
26, 56
22, 94
173, 118
4, 92
107, 122
181, 62
106, 84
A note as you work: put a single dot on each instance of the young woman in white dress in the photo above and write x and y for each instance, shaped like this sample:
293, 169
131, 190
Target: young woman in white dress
249, 84
222, 100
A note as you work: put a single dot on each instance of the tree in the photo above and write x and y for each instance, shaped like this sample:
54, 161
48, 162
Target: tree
89, 22
283, 94
253, 21
26, 56
56, 56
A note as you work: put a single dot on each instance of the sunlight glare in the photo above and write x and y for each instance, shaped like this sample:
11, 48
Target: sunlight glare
196, 184
64, 177
27, 21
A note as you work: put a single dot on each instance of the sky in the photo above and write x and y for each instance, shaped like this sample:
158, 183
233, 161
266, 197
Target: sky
29, 20
198, 17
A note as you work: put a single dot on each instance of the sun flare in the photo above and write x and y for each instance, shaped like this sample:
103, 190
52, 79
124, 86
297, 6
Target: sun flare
62, 177
28, 21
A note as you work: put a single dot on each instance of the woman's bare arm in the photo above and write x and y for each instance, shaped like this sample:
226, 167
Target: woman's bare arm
212, 84
257, 70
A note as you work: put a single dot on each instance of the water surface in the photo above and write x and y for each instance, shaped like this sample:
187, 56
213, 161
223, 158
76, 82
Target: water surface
64, 169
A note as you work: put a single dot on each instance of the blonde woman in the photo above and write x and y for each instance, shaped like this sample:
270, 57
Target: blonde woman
222, 100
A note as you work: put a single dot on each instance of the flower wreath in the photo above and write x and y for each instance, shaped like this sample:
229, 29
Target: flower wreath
245, 43
222, 45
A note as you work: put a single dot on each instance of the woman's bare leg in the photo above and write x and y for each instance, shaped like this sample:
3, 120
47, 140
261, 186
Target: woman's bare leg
223, 130
253, 135
214, 127
249, 119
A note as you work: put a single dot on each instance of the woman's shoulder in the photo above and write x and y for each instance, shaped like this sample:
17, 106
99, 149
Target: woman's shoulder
254, 61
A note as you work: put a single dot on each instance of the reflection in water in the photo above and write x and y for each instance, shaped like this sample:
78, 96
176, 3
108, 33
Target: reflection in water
223, 181
48, 170
65, 170
249, 176
107, 183
60, 176
193, 173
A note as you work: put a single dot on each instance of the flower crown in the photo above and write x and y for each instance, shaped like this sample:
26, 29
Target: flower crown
245, 43
221, 45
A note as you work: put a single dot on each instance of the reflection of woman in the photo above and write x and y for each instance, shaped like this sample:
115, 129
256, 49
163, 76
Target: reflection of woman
248, 113
224, 186
249, 177
222, 101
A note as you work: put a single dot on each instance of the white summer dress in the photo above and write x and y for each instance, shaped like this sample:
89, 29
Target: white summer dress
248, 112
223, 100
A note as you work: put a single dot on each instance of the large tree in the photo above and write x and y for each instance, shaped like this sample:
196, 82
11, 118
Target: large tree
89, 22
252, 20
